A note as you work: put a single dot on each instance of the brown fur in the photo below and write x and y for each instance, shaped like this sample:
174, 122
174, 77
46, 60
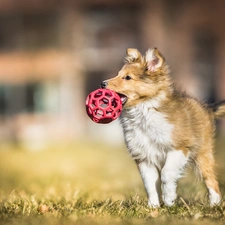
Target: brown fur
193, 121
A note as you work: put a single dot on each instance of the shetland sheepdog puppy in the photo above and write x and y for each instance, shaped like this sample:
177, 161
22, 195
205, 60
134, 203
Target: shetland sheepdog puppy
165, 130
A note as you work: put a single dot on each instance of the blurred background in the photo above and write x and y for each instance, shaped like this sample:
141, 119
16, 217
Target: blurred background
54, 52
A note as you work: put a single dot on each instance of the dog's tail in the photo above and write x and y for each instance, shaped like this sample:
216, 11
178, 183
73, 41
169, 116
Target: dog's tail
218, 109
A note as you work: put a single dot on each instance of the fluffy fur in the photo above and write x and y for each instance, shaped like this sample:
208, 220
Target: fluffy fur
164, 130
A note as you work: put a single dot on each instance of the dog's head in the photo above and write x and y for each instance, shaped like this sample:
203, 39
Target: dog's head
141, 77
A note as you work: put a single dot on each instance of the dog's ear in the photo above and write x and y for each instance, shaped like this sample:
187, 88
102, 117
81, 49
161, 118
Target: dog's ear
154, 59
133, 55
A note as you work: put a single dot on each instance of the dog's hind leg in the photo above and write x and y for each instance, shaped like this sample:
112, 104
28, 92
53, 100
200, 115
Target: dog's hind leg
205, 164
150, 177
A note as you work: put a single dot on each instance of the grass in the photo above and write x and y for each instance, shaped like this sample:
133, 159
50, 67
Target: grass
91, 183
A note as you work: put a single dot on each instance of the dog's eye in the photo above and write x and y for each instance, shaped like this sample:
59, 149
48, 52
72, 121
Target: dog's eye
127, 77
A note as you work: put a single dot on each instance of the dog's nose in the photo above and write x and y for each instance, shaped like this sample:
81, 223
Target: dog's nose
104, 84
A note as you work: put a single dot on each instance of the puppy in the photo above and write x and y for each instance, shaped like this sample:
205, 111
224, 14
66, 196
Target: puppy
164, 130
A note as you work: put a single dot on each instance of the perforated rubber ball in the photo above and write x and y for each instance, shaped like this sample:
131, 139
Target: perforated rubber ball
103, 105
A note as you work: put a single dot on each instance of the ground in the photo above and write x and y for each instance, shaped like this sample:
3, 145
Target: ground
92, 183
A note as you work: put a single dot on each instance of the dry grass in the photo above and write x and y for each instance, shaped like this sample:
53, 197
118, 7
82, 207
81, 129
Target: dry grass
91, 183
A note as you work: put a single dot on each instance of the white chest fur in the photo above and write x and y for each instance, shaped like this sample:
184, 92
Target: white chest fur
147, 133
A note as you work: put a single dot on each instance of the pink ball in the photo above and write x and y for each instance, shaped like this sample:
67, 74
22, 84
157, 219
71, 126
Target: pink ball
103, 105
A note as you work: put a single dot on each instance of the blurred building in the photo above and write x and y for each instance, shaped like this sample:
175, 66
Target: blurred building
53, 53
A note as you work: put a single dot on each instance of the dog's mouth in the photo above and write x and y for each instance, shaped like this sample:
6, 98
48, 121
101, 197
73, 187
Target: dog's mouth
123, 98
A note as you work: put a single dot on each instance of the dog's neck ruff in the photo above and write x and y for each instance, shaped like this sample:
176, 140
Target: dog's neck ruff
147, 132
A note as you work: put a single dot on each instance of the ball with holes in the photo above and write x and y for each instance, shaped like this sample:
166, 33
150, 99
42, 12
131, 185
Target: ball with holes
103, 105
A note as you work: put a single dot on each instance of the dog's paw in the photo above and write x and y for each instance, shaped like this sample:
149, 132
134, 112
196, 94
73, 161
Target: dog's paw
214, 198
169, 200
153, 204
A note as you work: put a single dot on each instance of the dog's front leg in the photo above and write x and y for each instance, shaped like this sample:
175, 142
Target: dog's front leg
150, 177
171, 172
